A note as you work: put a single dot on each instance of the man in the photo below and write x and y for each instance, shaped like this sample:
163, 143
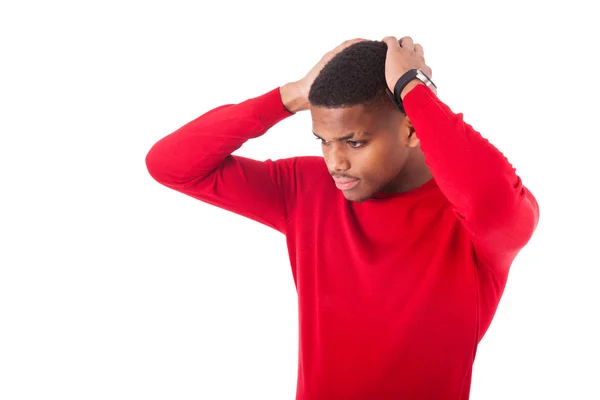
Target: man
400, 238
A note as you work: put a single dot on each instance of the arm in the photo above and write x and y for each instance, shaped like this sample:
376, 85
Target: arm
197, 159
486, 194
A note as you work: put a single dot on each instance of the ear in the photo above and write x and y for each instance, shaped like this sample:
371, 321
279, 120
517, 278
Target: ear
411, 138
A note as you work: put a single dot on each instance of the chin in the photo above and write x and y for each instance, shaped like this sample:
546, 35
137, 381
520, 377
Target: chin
356, 196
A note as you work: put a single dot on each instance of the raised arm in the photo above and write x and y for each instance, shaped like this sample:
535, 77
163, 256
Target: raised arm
197, 158
486, 194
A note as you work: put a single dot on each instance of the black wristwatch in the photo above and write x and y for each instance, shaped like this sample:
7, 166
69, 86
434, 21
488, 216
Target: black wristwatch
403, 81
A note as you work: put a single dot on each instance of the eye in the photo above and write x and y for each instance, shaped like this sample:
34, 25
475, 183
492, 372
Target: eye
356, 145
353, 144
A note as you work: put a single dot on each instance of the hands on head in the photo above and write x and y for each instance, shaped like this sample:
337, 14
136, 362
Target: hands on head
402, 56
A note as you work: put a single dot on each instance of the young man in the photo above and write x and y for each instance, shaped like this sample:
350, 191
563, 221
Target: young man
400, 238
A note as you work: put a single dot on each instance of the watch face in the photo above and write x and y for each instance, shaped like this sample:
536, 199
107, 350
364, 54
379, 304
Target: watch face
425, 79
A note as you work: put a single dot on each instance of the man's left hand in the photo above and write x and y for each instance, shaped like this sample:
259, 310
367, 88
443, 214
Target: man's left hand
402, 56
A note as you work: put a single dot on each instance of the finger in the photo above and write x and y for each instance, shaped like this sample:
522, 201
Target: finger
391, 42
407, 43
419, 49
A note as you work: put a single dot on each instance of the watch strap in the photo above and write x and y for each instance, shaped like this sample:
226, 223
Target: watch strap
403, 81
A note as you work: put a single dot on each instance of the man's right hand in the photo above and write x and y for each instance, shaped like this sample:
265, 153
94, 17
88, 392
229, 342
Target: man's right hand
295, 94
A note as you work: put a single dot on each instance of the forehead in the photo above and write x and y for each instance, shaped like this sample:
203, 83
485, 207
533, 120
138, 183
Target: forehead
340, 118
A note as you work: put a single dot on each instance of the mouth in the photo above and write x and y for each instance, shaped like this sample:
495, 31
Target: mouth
345, 183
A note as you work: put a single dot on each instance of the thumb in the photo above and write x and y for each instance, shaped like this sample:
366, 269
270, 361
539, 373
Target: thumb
392, 42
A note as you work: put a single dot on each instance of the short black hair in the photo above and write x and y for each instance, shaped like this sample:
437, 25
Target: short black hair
356, 75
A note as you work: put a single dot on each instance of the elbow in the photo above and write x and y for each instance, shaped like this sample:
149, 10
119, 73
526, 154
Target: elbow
528, 214
510, 215
515, 223
162, 167
169, 170
154, 165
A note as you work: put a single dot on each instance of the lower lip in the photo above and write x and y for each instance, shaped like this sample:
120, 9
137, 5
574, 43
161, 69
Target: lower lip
346, 186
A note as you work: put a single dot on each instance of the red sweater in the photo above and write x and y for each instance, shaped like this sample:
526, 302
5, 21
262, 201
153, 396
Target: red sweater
394, 293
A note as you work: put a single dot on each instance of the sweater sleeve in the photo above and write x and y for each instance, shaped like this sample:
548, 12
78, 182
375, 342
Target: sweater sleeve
197, 160
487, 196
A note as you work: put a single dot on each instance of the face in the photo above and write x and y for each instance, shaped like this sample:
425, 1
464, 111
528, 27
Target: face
366, 148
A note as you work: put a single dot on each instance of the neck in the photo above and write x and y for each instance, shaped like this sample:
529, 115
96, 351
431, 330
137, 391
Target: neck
414, 173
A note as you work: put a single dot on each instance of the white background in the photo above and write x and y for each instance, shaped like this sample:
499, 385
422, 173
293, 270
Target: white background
115, 287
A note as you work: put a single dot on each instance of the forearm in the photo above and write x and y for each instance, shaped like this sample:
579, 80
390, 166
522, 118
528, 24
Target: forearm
200, 146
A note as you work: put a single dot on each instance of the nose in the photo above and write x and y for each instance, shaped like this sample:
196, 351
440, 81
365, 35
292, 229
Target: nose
336, 159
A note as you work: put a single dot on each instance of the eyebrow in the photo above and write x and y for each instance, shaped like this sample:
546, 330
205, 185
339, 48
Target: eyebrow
348, 136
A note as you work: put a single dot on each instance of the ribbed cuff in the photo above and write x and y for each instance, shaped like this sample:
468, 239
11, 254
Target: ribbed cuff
269, 108
417, 99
